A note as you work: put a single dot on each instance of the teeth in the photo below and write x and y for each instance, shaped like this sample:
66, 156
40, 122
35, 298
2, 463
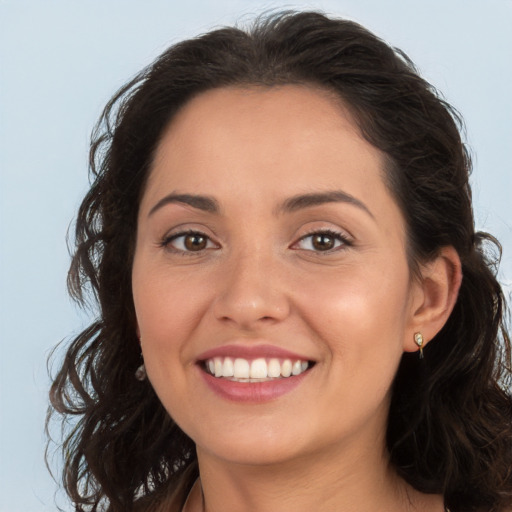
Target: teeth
296, 368
274, 368
286, 368
218, 366
258, 369
241, 369
228, 369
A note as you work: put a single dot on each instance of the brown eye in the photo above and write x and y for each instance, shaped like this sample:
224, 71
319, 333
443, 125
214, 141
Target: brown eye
323, 242
188, 242
195, 242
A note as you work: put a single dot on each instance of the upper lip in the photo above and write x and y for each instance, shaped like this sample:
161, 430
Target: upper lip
251, 352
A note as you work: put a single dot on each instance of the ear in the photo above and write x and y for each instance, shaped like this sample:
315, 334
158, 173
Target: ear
433, 296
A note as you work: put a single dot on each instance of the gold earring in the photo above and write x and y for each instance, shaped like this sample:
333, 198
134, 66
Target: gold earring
418, 339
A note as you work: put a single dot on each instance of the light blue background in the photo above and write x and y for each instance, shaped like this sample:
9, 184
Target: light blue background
60, 62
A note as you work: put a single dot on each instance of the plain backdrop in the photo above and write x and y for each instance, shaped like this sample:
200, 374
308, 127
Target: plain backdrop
61, 60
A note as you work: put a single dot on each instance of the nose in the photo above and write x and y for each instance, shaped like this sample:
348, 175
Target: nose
252, 293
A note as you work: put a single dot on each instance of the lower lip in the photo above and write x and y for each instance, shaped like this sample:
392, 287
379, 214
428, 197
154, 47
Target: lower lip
252, 392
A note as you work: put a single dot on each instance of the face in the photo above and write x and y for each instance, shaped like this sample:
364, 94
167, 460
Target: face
270, 279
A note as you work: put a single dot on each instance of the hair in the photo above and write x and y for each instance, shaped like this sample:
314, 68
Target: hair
450, 420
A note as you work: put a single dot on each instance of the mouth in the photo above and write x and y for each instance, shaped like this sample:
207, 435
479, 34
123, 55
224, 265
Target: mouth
238, 369
253, 374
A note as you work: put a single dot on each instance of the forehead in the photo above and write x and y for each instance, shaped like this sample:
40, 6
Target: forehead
259, 143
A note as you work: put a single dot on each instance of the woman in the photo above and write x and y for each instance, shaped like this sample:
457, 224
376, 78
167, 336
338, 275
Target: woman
295, 310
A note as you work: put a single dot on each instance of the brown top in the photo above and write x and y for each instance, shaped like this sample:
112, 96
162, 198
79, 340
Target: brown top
172, 498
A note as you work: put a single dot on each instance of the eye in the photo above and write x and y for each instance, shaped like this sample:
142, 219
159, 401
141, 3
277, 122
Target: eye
322, 241
191, 241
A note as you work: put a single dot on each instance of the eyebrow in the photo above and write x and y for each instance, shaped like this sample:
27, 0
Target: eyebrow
302, 201
205, 203
293, 204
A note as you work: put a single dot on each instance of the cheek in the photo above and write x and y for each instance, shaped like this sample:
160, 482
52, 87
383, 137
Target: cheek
167, 313
360, 319
360, 310
167, 305
171, 305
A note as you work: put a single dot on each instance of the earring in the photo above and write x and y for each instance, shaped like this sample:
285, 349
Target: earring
140, 372
418, 339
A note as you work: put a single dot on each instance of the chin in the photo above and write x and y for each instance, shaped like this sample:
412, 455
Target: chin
257, 444
252, 453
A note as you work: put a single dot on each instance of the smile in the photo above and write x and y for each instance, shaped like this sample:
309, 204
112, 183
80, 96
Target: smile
253, 374
257, 370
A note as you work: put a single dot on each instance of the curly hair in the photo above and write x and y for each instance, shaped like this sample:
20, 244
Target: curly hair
450, 420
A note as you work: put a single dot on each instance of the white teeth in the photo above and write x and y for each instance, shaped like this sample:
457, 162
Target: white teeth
241, 369
228, 369
274, 368
259, 369
296, 368
286, 368
218, 366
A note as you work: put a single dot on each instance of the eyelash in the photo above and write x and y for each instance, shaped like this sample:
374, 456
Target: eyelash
167, 242
343, 241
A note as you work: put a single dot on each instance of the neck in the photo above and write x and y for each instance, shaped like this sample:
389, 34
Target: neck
348, 482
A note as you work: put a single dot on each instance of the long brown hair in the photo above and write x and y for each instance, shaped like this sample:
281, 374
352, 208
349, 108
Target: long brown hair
450, 422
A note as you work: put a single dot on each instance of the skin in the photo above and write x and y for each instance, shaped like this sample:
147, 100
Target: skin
353, 309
